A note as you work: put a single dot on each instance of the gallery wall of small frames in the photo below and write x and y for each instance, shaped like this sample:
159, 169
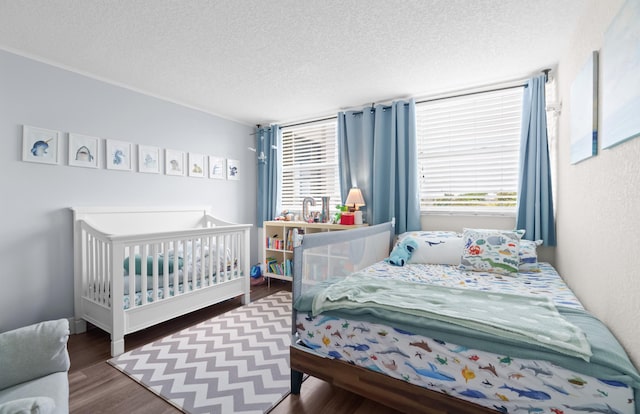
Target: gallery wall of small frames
45, 146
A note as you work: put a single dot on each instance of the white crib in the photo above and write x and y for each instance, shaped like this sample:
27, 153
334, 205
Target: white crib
136, 267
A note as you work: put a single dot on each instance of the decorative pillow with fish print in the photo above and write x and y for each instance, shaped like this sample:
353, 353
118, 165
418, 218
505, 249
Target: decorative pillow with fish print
494, 251
529, 255
435, 247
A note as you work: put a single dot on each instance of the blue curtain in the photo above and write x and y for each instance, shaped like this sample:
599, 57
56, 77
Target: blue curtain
268, 143
377, 153
535, 202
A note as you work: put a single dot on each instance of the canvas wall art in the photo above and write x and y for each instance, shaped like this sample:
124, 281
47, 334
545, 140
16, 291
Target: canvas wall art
620, 67
584, 111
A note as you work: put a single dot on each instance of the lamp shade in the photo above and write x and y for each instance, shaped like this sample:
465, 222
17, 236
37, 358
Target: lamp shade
354, 198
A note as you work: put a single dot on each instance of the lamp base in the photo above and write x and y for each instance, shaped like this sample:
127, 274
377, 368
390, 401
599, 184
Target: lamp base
347, 218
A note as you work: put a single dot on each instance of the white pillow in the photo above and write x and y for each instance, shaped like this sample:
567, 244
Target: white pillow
435, 247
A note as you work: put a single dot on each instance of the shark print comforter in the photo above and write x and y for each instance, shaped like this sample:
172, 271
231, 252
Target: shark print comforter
499, 381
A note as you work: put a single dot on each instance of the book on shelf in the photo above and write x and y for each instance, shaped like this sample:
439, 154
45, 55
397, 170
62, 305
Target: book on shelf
292, 238
274, 243
284, 268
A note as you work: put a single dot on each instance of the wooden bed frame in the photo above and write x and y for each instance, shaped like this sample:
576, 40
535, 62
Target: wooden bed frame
392, 392
105, 236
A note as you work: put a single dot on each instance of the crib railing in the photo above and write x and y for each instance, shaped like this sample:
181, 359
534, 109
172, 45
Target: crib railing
132, 271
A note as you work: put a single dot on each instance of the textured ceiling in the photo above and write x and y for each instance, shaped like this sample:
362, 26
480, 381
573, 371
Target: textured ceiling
286, 60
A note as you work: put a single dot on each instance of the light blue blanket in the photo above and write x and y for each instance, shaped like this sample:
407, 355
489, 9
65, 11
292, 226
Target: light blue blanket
515, 317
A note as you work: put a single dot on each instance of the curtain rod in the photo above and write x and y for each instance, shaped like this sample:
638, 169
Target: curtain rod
522, 85
309, 122
519, 85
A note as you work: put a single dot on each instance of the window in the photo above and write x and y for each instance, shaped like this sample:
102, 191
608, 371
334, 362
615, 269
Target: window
468, 152
310, 163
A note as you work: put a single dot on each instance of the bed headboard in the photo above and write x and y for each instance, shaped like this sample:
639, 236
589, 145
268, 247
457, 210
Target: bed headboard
136, 220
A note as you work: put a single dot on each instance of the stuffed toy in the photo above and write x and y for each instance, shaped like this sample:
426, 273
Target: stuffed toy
402, 252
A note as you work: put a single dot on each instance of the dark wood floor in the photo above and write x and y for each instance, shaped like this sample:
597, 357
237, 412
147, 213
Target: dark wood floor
97, 387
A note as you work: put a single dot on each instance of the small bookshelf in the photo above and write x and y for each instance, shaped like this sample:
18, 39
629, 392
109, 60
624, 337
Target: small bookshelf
280, 239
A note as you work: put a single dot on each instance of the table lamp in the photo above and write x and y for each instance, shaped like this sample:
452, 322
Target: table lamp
355, 199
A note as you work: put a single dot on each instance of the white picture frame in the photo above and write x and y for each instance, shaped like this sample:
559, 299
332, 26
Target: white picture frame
148, 159
40, 145
197, 167
84, 150
173, 162
217, 168
233, 169
118, 155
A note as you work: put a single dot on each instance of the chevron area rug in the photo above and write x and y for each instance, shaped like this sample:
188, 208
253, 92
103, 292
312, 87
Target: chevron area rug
237, 362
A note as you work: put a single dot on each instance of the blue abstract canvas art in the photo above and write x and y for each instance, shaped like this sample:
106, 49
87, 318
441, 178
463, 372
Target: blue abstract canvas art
620, 65
584, 111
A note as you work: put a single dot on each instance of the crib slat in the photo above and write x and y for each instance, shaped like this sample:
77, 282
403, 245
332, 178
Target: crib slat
108, 273
91, 283
176, 267
234, 249
165, 268
101, 276
144, 252
198, 277
132, 278
211, 273
156, 286
223, 257
186, 267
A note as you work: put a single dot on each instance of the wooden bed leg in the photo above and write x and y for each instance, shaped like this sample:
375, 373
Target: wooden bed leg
296, 382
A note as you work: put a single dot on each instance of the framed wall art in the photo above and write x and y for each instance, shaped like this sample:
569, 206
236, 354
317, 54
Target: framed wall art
584, 111
619, 62
233, 170
174, 162
84, 150
40, 145
148, 159
217, 168
118, 155
197, 166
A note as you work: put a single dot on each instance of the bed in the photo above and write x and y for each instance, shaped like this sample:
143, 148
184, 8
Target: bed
435, 338
137, 267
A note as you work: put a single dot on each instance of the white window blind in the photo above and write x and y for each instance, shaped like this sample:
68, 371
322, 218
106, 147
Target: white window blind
310, 164
468, 151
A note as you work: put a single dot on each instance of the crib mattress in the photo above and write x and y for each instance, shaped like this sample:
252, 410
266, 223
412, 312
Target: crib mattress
502, 382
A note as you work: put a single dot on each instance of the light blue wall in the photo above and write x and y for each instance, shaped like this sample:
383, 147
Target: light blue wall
36, 256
